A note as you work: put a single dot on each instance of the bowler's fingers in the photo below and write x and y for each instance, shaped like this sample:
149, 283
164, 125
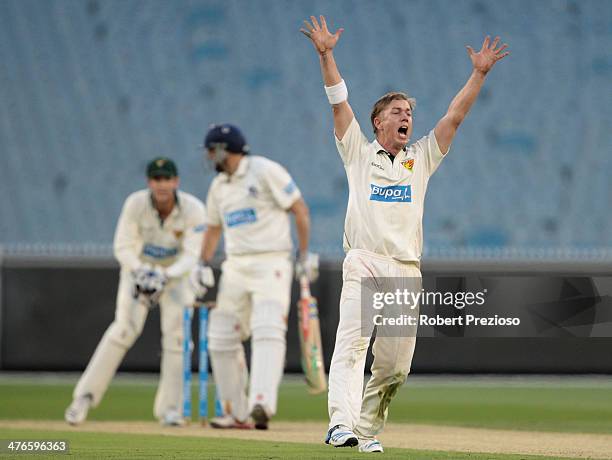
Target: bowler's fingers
315, 23
323, 23
485, 43
501, 56
495, 42
308, 26
308, 30
469, 49
501, 48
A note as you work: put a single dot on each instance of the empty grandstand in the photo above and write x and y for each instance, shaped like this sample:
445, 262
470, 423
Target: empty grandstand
91, 90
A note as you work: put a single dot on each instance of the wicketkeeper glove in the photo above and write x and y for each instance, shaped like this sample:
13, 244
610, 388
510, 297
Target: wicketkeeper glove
307, 264
201, 279
149, 283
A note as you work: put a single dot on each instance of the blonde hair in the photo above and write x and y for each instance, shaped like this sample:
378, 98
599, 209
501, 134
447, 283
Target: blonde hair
384, 101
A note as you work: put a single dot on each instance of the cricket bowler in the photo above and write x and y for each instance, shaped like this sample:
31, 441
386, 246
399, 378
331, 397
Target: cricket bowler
249, 201
157, 243
383, 236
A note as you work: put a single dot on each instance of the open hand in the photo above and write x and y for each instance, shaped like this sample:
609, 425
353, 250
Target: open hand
485, 59
322, 39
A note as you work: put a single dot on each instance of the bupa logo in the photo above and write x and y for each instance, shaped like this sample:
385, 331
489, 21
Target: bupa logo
392, 193
240, 217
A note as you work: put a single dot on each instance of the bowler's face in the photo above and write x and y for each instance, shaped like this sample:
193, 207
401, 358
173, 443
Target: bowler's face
394, 125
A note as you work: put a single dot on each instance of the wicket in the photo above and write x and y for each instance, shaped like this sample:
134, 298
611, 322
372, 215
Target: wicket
202, 365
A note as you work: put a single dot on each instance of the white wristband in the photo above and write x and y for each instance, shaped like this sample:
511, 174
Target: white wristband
337, 93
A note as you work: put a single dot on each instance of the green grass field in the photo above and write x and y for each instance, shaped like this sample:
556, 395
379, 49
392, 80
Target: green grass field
558, 406
138, 446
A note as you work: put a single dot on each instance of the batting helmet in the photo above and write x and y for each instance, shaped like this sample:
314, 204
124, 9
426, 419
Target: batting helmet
229, 136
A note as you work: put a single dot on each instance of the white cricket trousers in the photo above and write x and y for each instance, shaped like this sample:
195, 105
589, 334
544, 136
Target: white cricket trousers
253, 301
366, 412
130, 316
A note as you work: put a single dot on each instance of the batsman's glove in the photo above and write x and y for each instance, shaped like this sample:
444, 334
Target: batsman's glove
201, 279
149, 283
307, 264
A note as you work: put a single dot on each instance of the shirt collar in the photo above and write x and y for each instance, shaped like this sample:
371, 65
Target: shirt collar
241, 170
177, 203
380, 149
242, 167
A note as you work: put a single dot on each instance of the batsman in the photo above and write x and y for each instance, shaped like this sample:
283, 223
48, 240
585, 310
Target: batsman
249, 201
157, 243
383, 231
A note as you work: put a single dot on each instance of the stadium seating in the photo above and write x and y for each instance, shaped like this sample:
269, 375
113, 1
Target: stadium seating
91, 90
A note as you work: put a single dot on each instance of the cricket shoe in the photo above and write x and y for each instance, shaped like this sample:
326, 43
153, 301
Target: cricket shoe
370, 445
229, 422
173, 418
260, 417
76, 413
341, 436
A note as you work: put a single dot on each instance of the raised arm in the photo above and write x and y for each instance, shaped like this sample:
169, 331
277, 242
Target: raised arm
324, 42
482, 63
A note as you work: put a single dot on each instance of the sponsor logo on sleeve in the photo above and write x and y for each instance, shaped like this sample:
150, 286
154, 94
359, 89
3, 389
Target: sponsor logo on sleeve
392, 193
199, 228
240, 217
289, 188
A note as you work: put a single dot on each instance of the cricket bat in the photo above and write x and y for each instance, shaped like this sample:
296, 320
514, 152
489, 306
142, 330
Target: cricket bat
310, 339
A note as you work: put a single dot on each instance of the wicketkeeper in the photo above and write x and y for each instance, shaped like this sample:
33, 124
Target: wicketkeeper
157, 242
250, 201
383, 234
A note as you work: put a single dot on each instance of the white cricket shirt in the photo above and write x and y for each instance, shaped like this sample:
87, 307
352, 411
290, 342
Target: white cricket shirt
175, 243
251, 205
385, 208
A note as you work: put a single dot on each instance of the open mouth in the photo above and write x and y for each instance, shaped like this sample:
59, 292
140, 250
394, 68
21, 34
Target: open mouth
403, 131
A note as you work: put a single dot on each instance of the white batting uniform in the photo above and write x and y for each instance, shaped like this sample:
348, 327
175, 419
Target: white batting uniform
255, 287
141, 237
383, 237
